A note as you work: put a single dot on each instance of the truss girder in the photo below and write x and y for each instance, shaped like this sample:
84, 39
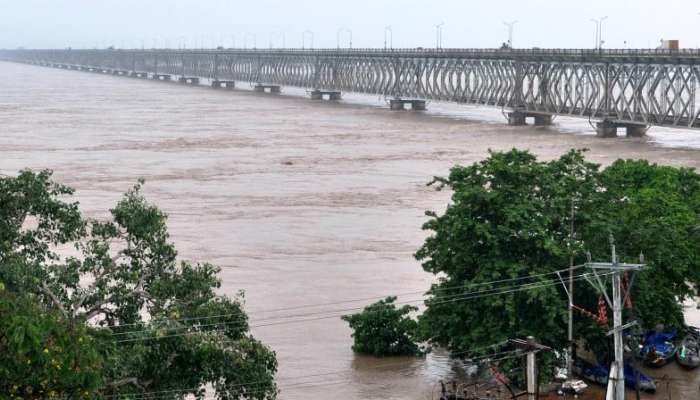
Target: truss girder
633, 90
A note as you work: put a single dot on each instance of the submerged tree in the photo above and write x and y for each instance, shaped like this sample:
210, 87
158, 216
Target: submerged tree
158, 322
382, 329
507, 230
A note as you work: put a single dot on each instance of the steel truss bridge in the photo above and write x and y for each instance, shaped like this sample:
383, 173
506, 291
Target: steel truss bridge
635, 87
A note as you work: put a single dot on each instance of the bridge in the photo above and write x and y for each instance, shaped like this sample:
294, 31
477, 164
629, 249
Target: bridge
633, 89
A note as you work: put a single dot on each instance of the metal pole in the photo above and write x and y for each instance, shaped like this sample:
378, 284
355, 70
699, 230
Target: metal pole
617, 327
601, 32
570, 358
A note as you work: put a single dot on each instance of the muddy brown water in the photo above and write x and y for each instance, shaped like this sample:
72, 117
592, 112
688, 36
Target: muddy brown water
301, 203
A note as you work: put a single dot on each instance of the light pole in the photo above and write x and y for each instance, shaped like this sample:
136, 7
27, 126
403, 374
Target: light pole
280, 33
599, 31
438, 35
341, 30
303, 39
233, 41
391, 37
510, 26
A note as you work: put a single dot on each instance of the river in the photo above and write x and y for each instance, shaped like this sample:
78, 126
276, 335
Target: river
300, 202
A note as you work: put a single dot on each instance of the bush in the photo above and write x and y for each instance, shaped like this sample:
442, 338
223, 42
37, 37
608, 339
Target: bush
382, 329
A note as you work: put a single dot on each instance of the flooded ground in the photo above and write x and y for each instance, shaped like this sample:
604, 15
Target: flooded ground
301, 202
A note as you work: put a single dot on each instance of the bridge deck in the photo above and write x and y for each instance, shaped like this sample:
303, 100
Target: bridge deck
652, 87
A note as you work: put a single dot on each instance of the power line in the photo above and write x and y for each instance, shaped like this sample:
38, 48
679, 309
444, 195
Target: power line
323, 314
429, 291
338, 303
166, 393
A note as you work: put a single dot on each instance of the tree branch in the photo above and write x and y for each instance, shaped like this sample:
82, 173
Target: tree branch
54, 300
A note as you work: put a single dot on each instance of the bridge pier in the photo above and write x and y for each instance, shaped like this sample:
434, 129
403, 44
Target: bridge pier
137, 74
519, 118
119, 72
398, 104
608, 129
189, 80
260, 88
162, 77
318, 95
217, 84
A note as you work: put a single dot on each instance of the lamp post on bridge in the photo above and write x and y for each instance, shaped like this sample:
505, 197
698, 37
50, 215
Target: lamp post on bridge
282, 34
599, 31
303, 39
438, 35
341, 30
391, 37
510, 26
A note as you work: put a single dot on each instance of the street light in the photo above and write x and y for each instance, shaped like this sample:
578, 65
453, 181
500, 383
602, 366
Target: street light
438, 35
280, 33
391, 37
303, 39
510, 26
599, 31
341, 30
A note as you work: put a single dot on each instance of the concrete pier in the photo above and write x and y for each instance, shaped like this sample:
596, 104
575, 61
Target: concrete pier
162, 77
189, 80
120, 72
219, 84
138, 74
519, 118
318, 95
272, 88
608, 129
400, 104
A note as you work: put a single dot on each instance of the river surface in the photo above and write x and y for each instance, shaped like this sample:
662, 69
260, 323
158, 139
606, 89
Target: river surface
301, 203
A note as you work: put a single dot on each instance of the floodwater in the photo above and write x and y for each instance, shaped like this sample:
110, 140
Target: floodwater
302, 203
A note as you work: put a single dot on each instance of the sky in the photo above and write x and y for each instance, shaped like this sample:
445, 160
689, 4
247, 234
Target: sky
466, 23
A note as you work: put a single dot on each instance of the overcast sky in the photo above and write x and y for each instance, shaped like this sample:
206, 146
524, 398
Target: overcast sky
467, 23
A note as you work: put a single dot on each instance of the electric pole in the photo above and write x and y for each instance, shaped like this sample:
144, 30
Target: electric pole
614, 268
531, 347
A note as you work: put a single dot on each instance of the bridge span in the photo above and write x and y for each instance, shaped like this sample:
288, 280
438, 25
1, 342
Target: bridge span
634, 89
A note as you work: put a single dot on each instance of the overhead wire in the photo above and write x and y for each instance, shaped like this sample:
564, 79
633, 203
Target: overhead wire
325, 314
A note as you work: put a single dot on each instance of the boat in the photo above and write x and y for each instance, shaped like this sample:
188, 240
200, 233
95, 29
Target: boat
658, 348
599, 374
688, 354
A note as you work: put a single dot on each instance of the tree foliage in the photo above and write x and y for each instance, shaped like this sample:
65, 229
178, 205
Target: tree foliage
158, 321
44, 357
382, 329
510, 218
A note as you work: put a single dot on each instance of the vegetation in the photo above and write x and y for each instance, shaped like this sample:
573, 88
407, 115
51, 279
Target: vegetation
382, 329
510, 218
119, 315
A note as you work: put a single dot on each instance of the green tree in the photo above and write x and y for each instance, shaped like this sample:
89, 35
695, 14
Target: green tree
509, 219
382, 329
168, 329
42, 356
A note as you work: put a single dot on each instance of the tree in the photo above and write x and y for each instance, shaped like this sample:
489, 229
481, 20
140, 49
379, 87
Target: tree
169, 330
509, 219
382, 329
44, 357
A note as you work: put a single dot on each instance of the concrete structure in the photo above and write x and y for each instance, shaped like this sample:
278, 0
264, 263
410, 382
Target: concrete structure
608, 129
399, 104
219, 84
162, 77
626, 87
271, 88
138, 74
518, 118
317, 94
188, 80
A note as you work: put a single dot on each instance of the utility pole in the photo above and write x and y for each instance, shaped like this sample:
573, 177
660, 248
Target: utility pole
570, 356
614, 268
531, 347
